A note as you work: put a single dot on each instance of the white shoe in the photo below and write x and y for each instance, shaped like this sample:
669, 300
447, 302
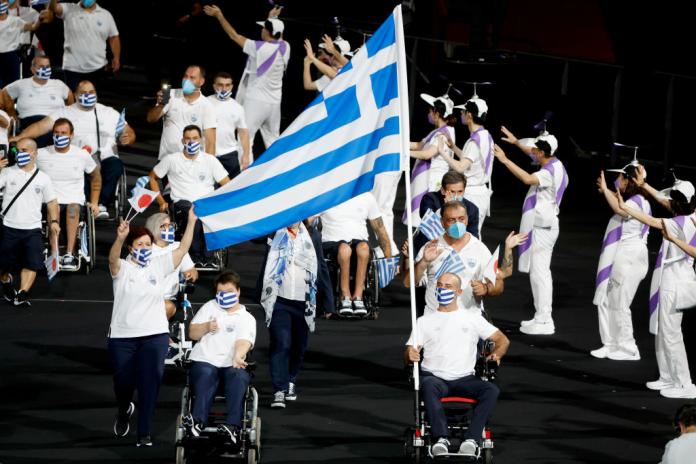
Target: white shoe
527, 323
659, 384
539, 328
359, 307
600, 353
469, 448
688, 391
622, 355
440, 448
346, 308
103, 213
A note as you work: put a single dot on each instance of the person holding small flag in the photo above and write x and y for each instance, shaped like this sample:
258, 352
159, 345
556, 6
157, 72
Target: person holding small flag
138, 336
21, 246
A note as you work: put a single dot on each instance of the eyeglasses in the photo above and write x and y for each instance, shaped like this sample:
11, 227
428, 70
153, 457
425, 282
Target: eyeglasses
168, 226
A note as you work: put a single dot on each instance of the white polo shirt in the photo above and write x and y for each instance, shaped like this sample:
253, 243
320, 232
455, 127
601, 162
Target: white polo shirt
190, 178
476, 174
11, 30
86, 34
171, 281
348, 221
680, 450
179, 113
268, 87
139, 298
218, 348
474, 255
34, 99
230, 117
85, 123
3, 130
26, 211
67, 171
449, 341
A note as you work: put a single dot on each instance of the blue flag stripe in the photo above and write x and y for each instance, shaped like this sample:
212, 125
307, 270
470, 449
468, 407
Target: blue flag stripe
382, 38
225, 237
310, 170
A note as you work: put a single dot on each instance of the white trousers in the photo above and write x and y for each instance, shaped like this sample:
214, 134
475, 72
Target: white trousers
669, 342
543, 241
264, 117
385, 190
614, 312
481, 197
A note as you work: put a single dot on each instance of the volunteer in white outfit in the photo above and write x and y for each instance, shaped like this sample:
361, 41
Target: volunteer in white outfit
139, 333
623, 264
539, 219
67, 165
37, 96
192, 173
673, 287
87, 27
163, 231
21, 245
430, 154
12, 29
232, 135
260, 89
467, 254
96, 132
344, 232
226, 333
476, 157
682, 449
185, 106
449, 338
332, 55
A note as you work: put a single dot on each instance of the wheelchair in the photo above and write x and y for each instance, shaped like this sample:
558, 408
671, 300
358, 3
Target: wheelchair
86, 240
372, 295
179, 324
418, 439
120, 198
211, 443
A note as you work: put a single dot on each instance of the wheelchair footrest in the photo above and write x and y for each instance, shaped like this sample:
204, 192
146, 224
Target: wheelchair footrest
455, 457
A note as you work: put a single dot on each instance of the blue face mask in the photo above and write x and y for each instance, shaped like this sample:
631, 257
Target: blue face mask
188, 87
23, 158
444, 296
431, 119
192, 148
61, 141
43, 73
223, 94
88, 100
88, 3
226, 300
167, 234
142, 256
456, 230
4, 7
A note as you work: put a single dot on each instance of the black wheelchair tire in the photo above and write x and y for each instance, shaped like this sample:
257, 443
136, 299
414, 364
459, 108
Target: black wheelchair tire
180, 455
91, 239
121, 197
487, 456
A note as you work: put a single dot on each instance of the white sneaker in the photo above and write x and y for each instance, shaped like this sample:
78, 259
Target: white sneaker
469, 448
278, 400
68, 262
622, 355
359, 306
103, 213
600, 353
688, 391
291, 395
528, 322
659, 384
539, 328
440, 448
346, 307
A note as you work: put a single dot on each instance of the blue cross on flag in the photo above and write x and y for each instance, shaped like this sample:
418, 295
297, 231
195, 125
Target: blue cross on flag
354, 130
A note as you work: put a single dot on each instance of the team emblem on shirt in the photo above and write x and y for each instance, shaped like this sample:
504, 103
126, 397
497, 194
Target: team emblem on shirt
201, 176
153, 281
194, 118
99, 23
229, 328
37, 189
471, 262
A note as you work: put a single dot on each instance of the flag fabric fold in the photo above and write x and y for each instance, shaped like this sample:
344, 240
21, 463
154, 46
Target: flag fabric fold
431, 225
386, 269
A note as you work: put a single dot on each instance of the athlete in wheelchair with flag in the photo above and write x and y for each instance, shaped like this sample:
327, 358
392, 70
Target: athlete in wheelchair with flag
457, 401
226, 333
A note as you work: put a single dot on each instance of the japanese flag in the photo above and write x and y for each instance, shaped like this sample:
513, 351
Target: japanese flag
52, 266
491, 270
142, 198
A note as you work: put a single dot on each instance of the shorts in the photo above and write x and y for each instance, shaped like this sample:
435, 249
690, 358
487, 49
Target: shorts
21, 249
331, 248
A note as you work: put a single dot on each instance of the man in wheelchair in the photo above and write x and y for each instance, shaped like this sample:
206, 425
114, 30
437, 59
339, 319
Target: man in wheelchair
344, 234
448, 338
225, 332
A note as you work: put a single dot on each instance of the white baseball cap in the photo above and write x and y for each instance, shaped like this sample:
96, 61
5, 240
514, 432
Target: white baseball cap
624, 170
341, 44
684, 187
481, 106
276, 24
446, 100
547, 139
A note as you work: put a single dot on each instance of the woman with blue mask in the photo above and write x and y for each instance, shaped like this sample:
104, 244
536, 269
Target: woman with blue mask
226, 332
139, 332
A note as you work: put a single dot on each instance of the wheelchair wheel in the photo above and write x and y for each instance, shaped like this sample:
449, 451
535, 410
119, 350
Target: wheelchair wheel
412, 453
254, 455
91, 241
180, 455
121, 197
487, 456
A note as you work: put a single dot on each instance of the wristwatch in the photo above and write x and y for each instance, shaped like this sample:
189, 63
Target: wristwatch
54, 221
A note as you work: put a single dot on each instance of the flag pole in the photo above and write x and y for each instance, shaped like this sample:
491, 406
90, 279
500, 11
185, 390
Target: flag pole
405, 148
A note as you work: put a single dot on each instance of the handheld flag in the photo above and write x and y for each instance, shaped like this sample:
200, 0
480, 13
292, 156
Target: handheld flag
452, 263
490, 272
121, 124
142, 182
354, 130
386, 270
431, 225
142, 198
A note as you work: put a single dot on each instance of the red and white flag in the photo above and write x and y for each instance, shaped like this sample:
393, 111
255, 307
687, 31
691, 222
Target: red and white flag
142, 198
52, 266
491, 270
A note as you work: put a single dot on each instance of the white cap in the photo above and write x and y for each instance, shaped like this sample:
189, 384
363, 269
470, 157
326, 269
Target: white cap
685, 187
341, 44
480, 103
633, 163
446, 100
276, 24
548, 138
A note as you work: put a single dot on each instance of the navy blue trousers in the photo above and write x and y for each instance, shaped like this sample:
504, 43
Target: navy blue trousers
288, 333
204, 379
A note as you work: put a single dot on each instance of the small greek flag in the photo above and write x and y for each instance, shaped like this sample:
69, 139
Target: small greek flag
452, 263
121, 124
431, 225
386, 269
142, 182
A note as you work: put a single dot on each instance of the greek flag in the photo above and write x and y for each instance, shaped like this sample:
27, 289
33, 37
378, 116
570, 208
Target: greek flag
121, 124
386, 269
452, 263
355, 129
142, 182
431, 225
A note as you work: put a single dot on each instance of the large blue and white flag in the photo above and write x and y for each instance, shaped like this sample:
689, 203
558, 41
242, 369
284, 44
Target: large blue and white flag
355, 129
